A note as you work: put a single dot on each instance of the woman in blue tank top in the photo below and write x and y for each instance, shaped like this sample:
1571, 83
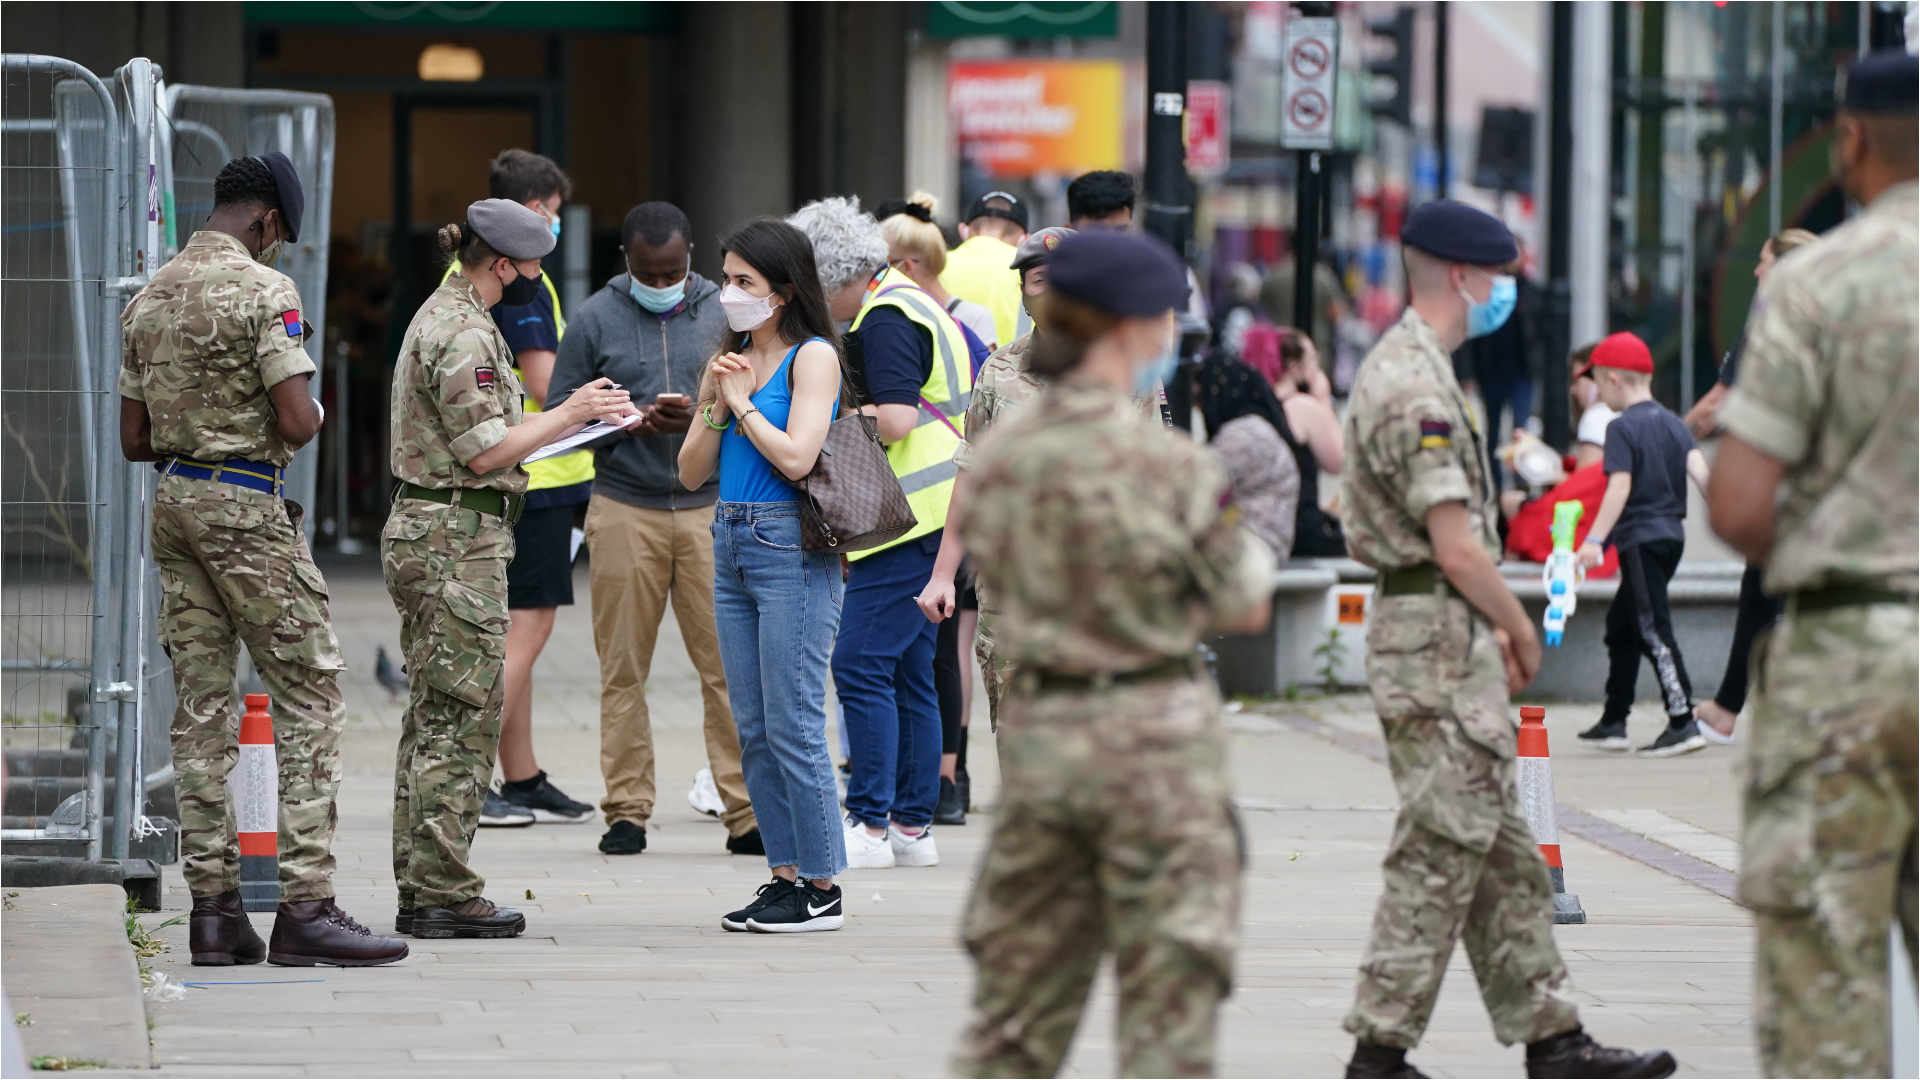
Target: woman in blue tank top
762, 415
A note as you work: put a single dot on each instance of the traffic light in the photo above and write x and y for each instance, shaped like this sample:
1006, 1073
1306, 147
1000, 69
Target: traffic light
1398, 31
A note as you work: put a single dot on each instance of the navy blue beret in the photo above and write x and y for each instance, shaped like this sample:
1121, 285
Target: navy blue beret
1884, 81
1457, 232
1118, 273
293, 200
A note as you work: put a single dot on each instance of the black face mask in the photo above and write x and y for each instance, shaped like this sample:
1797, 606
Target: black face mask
523, 291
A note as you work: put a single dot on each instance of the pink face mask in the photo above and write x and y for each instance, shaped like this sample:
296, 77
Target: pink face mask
746, 311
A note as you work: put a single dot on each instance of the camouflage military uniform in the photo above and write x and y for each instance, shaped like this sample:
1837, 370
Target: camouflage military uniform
454, 397
203, 343
1827, 387
1104, 538
1462, 860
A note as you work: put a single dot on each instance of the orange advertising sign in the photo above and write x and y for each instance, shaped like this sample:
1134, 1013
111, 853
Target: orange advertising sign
1021, 117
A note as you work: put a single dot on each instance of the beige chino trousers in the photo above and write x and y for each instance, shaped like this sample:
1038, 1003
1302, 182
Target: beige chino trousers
640, 560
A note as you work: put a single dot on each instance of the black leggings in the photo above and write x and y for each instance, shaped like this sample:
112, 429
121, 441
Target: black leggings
1638, 624
1757, 612
946, 687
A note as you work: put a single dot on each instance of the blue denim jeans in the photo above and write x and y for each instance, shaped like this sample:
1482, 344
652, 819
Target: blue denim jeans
777, 608
883, 674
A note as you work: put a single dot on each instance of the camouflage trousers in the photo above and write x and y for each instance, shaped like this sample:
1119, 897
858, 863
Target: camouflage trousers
1116, 834
234, 568
1463, 862
996, 671
1828, 849
446, 570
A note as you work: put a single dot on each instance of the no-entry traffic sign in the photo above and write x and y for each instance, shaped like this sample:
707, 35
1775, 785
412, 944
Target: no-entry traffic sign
1312, 53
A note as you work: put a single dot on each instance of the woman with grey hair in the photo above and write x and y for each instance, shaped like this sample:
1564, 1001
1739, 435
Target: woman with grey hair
909, 361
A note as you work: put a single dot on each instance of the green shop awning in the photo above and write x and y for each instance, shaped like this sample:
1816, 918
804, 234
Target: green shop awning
627, 17
1023, 18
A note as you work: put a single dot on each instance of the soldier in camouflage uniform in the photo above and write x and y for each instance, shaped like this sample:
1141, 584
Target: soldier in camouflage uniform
1817, 480
1447, 643
1105, 540
213, 382
458, 440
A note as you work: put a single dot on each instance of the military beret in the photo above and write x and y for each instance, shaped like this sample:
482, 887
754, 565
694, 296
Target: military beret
1015, 210
1118, 273
1459, 233
293, 199
1884, 81
511, 229
1038, 247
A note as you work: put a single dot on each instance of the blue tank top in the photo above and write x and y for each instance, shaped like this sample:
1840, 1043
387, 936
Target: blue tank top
745, 475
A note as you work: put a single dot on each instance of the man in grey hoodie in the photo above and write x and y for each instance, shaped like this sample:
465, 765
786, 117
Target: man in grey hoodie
652, 330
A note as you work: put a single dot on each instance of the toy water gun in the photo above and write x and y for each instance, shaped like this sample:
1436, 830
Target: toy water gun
1562, 574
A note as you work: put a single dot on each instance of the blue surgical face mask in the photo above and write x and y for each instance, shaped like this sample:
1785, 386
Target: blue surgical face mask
1158, 370
659, 301
555, 226
1484, 319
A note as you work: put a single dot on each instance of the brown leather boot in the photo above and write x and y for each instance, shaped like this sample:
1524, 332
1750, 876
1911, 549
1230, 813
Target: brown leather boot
219, 933
307, 933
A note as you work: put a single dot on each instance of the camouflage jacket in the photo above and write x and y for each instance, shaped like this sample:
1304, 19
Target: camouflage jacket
203, 343
1827, 387
1004, 384
454, 394
1103, 536
1411, 446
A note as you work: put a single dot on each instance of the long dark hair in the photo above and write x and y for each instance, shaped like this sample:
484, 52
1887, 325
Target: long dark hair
784, 256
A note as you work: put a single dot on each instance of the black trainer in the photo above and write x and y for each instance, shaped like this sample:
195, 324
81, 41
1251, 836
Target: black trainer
477, 917
548, 803
765, 896
498, 813
949, 810
1684, 738
1605, 736
624, 838
799, 911
747, 843
1575, 1054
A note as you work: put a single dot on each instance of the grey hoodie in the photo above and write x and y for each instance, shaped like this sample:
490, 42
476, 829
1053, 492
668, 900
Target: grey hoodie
612, 335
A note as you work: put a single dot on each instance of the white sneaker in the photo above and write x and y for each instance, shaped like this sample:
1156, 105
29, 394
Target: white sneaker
705, 797
913, 850
866, 851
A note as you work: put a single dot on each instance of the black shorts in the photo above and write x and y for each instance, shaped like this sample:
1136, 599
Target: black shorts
541, 573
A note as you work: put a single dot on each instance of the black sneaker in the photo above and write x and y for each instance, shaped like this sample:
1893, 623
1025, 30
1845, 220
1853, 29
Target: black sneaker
799, 911
548, 803
949, 810
1576, 1054
1605, 736
624, 838
498, 813
747, 843
766, 896
1676, 740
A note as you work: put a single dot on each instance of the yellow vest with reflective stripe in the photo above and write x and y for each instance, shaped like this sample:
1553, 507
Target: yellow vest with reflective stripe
923, 461
567, 469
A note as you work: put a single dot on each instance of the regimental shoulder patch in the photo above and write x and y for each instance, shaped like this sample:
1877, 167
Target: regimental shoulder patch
483, 378
291, 321
1435, 434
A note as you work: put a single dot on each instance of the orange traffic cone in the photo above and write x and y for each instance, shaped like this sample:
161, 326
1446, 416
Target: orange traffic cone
254, 789
1536, 798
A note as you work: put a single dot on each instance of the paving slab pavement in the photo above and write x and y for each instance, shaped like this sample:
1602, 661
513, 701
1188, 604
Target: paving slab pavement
71, 974
626, 972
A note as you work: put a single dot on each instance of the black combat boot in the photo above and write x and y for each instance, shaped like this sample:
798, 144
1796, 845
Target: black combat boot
219, 933
1372, 1059
1575, 1054
308, 933
476, 918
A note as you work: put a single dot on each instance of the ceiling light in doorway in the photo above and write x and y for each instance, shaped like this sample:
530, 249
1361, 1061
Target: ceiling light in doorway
451, 63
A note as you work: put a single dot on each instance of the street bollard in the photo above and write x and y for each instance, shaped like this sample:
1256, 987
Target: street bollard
1536, 796
254, 789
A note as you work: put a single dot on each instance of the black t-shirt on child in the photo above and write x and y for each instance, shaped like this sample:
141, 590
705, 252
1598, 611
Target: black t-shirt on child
1651, 443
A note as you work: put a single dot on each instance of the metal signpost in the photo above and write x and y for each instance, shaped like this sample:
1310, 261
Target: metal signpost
1310, 59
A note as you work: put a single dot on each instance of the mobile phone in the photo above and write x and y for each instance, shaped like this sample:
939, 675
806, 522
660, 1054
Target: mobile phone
675, 400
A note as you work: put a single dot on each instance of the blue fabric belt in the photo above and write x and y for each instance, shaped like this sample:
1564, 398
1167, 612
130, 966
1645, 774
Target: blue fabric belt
247, 474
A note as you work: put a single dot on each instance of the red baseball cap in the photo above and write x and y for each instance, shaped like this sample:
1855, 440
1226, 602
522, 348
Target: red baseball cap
1623, 350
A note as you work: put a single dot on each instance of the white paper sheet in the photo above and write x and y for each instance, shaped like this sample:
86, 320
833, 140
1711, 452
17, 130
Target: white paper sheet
579, 438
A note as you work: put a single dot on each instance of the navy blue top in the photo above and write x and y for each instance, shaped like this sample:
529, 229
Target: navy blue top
528, 326
896, 355
745, 474
1652, 444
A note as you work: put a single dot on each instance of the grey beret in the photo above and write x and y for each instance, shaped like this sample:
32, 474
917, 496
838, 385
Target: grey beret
511, 229
1038, 247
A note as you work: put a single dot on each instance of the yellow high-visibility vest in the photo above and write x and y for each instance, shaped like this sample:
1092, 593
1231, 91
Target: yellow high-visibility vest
980, 270
923, 461
565, 470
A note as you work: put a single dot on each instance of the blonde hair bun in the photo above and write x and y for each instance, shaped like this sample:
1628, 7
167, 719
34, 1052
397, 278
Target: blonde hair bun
926, 201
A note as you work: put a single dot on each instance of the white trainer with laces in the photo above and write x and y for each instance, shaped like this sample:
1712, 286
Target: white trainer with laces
705, 796
910, 850
866, 851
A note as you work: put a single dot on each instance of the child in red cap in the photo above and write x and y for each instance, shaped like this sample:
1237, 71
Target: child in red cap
1649, 457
